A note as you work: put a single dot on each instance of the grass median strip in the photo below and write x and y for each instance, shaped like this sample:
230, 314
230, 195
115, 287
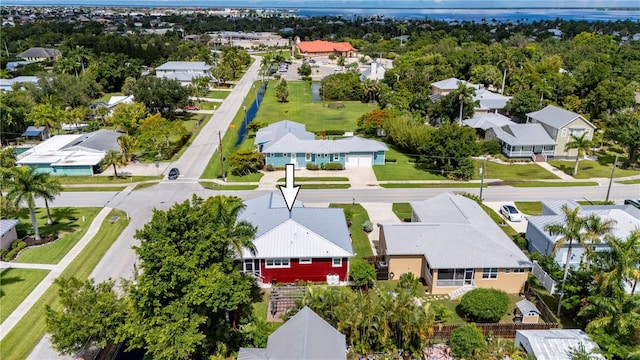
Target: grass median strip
72, 180
216, 186
21, 340
16, 285
529, 207
402, 210
320, 178
629, 182
515, 183
430, 185
93, 189
321, 186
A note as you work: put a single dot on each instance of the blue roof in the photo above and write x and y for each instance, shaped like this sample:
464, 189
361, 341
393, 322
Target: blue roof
33, 131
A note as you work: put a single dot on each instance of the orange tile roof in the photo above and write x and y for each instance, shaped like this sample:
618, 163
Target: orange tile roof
323, 46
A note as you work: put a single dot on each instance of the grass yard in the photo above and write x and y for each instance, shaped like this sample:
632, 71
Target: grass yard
92, 189
319, 178
529, 207
402, 210
324, 186
215, 186
214, 168
260, 308
431, 185
629, 182
512, 171
108, 96
300, 106
359, 238
218, 94
72, 180
68, 225
209, 105
15, 286
588, 169
402, 169
145, 185
20, 341
518, 183
192, 124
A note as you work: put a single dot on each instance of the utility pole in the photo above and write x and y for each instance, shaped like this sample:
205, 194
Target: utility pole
224, 176
613, 170
484, 164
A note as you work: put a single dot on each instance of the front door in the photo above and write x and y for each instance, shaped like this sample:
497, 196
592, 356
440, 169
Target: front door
252, 267
468, 276
293, 160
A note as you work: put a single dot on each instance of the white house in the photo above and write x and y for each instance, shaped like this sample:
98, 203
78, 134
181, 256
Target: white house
183, 71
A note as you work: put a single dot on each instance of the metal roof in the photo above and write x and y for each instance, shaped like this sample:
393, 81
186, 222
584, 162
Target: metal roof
453, 232
526, 307
523, 135
555, 117
7, 224
33, 131
101, 140
490, 100
182, 76
290, 143
306, 336
452, 84
487, 121
280, 129
554, 344
252, 354
184, 66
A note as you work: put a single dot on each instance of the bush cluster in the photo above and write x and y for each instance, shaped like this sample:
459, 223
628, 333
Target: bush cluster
484, 305
332, 166
312, 166
467, 341
367, 226
16, 246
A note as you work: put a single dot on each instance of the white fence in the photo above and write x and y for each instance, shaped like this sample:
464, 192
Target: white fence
544, 278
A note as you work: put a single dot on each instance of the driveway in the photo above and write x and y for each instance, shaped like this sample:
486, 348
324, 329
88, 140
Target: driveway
359, 177
520, 226
379, 213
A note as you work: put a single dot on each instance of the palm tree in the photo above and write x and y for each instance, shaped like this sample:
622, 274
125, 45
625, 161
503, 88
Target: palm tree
370, 89
581, 144
570, 231
542, 87
79, 54
25, 185
507, 64
402, 28
115, 159
465, 96
596, 227
50, 189
240, 233
128, 145
47, 115
620, 262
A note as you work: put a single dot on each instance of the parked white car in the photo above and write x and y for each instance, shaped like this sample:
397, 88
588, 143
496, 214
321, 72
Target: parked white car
511, 213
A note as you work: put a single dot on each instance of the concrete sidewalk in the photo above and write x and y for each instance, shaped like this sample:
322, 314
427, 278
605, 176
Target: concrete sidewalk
555, 171
35, 295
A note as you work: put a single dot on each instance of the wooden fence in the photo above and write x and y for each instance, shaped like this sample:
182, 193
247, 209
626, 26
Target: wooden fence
507, 331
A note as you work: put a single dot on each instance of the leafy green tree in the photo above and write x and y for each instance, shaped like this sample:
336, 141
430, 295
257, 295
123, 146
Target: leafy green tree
15, 107
521, 103
624, 127
156, 133
128, 145
362, 273
304, 70
112, 69
449, 149
190, 296
235, 58
127, 86
160, 94
115, 159
484, 305
200, 86
282, 92
581, 353
373, 121
65, 90
581, 144
466, 341
25, 185
47, 115
570, 231
488, 75
127, 117
91, 314
246, 162
341, 86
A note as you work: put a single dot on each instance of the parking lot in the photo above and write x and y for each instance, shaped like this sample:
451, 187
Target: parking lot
322, 67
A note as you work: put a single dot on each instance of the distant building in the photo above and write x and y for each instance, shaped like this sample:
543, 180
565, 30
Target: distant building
19, 81
555, 344
325, 48
183, 71
39, 54
39, 133
375, 72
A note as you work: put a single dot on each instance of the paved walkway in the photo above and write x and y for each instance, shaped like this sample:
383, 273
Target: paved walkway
35, 295
555, 171
359, 178
379, 213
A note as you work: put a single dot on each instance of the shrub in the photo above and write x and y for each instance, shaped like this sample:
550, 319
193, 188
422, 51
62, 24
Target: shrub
466, 341
362, 273
333, 166
390, 160
306, 78
521, 241
270, 167
245, 162
373, 121
441, 313
367, 226
491, 147
336, 106
312, 166
16, 246
484, 305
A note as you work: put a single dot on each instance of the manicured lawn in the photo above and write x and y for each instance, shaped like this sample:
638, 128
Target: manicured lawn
209, 105
108, 96
323, 186
193, 123
629, 182
359, 238
512, 171
15, 285
92, 189
517, 183
402, 169
320, 178
69, 180
214, 169
454, 318
600, 168
20, 341
431, 185
529, 207
218, 94
260, 308
68, 225
145, 185
300, 107
402, 210
215, 186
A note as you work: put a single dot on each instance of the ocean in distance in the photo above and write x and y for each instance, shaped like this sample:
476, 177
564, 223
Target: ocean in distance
414, 9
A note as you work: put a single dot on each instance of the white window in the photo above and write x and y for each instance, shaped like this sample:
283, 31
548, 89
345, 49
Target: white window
337, 262
490, 273
305, 261
336, 157
307, 157
577, 132
564, 132
277, 263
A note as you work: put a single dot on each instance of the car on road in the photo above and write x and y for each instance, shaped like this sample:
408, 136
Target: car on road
338, 68
173, 174
191, 107
511, 213
635, 203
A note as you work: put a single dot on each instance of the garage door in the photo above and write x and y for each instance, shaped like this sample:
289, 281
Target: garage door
359, 160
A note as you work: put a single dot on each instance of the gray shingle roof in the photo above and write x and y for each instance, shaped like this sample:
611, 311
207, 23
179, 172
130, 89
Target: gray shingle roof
7, 225
280, 129
101, 140
554, 116
487, 121
454, 232
523, 134
451, 84
290, 143
306, 336
39, 52
490, 100
184, 66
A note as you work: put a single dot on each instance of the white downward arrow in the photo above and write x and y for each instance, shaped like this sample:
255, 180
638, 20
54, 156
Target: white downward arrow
289, 190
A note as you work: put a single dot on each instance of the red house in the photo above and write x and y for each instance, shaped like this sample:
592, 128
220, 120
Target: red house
324, 48
304, 244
